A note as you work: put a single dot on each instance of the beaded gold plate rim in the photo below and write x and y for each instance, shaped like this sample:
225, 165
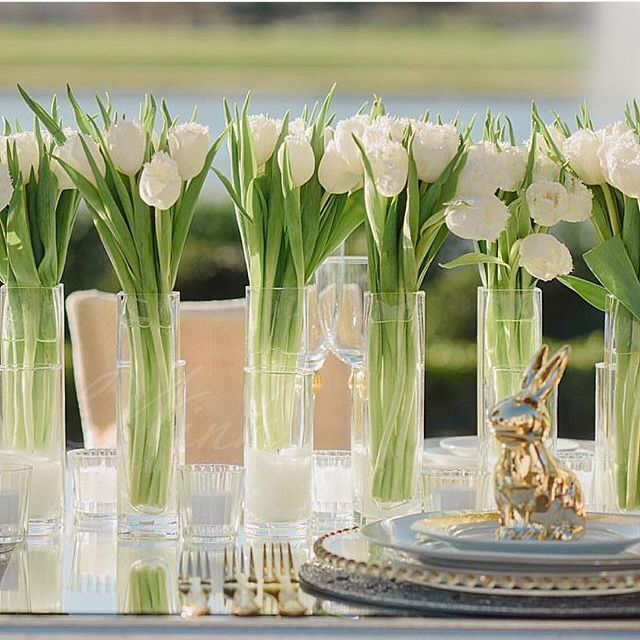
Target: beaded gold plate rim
485, 582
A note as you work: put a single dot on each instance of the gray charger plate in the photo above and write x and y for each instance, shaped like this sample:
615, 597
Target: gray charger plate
354, 586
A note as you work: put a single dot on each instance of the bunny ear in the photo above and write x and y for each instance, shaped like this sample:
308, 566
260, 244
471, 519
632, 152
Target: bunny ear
534, 367
549, 378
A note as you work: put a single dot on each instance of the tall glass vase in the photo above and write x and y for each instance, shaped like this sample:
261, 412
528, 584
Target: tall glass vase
394, 426
150, 411
32, 395
622, 368
280, 348
509, 335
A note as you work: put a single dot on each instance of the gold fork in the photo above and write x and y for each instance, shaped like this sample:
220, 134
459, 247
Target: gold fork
289, 603
244, 601
194, 602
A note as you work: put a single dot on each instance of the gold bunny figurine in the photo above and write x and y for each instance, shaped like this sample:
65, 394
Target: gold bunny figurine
537, 497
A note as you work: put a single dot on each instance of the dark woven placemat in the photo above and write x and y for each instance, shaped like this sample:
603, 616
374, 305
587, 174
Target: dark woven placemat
353, 587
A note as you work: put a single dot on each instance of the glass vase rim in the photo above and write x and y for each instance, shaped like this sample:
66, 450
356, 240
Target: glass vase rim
12, 287
535, 289
396, 294
297, 371
31, 367
211, 467
151, 294
15, 467
96, 452
348, 259
306, 287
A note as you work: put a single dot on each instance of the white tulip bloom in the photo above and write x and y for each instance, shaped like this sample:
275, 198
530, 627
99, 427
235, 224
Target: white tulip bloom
72, 152
298, 127
541, 144
328, 136
545, 169
126, 142
544, 256
547, 201
302, 161
390, 167
26, 148
581, 150
264, 135
334, 174
189, 146
433, 148
482, 171
345, 144
64, 181
514, 166
618, 133
160, 181
383, 129
580, 203
477, 217
6, 188
623, 167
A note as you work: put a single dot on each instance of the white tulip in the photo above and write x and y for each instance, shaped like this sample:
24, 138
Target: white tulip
298, 127
433, 148
334, 174
477, 217
72, 152
302, 161
580, 200
623, 167
383, 129
160, 181
514, 166
26, 149
610, 137
189, 146
482, 171
328, 136
64, 181
541, 144
126, 142
345, 144
390, 166
581, 150
547, 201
544, 256
264, 135
545, 169
6, 188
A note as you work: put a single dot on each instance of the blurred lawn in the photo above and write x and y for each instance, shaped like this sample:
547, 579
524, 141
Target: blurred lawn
467, 57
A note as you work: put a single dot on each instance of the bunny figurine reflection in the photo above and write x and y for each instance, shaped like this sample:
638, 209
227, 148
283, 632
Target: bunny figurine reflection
536, 496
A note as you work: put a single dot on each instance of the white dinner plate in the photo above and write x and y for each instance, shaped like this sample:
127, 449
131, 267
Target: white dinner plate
398, 533
467, 446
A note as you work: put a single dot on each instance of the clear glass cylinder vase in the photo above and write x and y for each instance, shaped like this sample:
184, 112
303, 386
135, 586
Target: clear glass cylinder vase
509, 335
150, 412
394, 424
32, 395
278, 449
622, 387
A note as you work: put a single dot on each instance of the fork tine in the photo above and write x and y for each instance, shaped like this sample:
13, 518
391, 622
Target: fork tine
273, 558
252, 566
292, 567
280, 559
235, 563
190, 565
264, 560
207, 565
242, 560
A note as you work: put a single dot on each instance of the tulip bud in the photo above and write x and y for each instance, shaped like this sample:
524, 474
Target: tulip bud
433, 148
264, 135
26, 149
580, 202
547, 201
126, 142
544, 256
160, 182
72, 152
390, 167
581, 150
482, 171
477, 217
189, 145
514, 166
6, 188
334, 174
345, 144
302, 161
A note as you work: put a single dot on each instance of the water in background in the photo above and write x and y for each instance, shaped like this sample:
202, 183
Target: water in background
210, 111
